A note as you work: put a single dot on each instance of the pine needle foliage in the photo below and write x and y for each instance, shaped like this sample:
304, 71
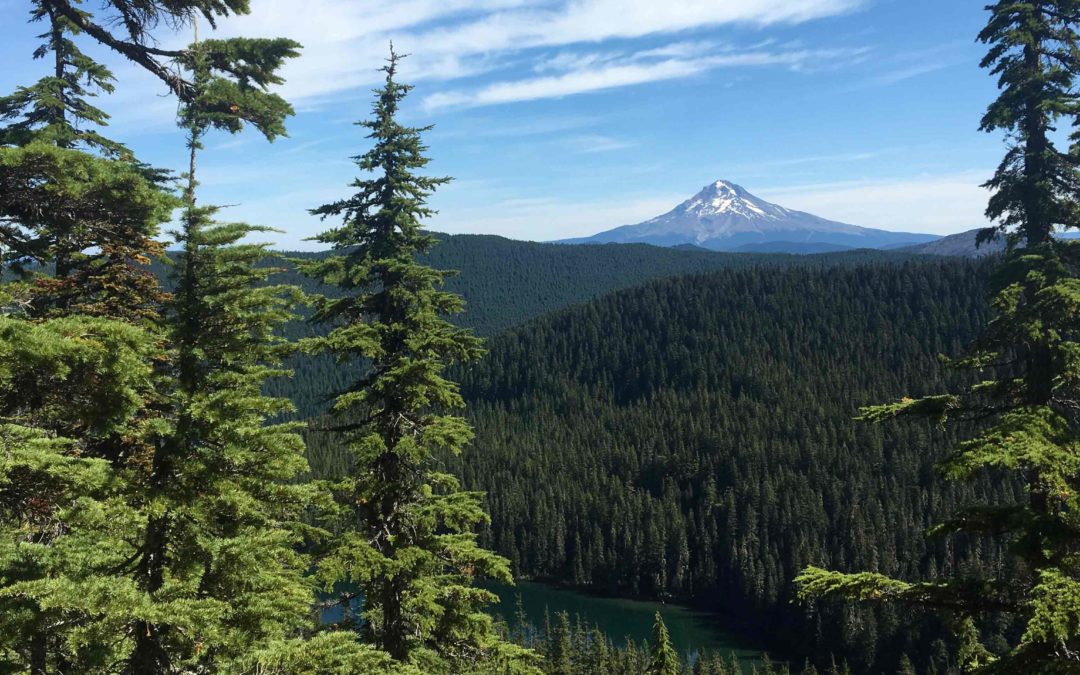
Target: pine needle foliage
218, 564
151, 513
75, 393
406, 527
128, 28
1025, 403
56, 109
663, 660
75, 206
80, 229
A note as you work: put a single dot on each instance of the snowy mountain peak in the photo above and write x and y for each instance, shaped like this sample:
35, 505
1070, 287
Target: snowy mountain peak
724, 197
724, 216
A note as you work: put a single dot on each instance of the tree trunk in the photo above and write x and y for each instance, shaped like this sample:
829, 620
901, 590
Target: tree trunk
149, 656
39, 652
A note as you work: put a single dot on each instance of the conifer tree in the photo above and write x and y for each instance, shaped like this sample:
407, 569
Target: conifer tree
905, 667
663, 660
600, 651
218, 567
74, 388
56, 109
560, 650
79, 229
1025, 405
77, 220
127, 27
179, 549
73, 200
406, 528
97, 251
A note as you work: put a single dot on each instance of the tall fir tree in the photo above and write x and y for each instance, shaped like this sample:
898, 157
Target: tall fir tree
407, 536
74, 205
155, 528
78, 217
1025, 404
217, 567
663, 660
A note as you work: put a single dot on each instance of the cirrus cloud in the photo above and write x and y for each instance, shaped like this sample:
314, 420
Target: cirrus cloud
345, 40
593, 74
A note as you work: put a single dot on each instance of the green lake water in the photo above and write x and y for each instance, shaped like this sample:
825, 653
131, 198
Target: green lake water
619, 618
691, 631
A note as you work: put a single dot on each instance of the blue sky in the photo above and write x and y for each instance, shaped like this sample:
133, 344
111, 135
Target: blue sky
562, 118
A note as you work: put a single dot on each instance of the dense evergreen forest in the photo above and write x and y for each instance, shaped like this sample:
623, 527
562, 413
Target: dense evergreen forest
505, 283
694, 438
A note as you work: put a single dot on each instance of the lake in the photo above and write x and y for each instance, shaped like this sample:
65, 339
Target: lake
619, 618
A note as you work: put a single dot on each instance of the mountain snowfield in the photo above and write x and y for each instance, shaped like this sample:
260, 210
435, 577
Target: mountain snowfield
726, 217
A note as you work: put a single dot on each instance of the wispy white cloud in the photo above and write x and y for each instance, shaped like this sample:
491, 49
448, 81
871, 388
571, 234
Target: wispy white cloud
596, 143
550, 219
841, 158
603, 73
809, 162
942, 204
592, 21
477, 126
915, 63
566, 84
908, 72
345, 40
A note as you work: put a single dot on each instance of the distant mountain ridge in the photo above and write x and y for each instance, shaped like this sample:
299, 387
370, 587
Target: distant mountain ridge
724, 216
962, 245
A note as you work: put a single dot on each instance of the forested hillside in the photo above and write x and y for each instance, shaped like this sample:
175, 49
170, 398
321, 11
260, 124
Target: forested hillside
694, 438
506, 283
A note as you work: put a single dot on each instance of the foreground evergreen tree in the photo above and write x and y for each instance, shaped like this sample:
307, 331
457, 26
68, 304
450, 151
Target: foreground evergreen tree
128, 28
150, 517
77, 219
405, 528
663, 660
1026, 404
81, 217
74, 206
77, 212
74, 389
56, 109
217, 568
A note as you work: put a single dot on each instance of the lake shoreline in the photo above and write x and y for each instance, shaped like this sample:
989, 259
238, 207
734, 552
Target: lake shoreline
743, 630
692, 629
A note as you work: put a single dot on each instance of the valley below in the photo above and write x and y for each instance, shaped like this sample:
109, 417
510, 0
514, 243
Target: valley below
687, 434
692, 631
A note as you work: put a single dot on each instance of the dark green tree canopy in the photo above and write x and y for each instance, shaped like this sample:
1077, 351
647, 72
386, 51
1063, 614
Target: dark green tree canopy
1022, 409
1034, 54
410, 544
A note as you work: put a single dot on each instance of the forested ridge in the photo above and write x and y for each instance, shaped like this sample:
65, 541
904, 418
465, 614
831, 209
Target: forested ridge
694, 438
506, 283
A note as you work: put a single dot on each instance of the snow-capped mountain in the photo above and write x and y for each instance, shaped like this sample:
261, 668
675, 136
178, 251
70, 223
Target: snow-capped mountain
725, 217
